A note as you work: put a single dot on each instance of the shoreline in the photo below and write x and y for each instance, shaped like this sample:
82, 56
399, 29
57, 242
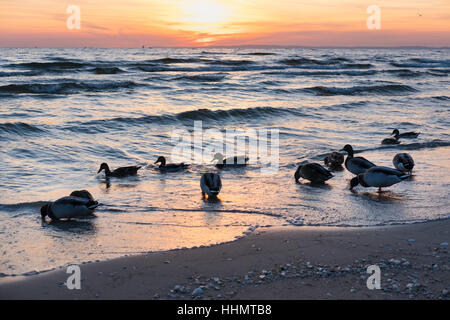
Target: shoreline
288, 262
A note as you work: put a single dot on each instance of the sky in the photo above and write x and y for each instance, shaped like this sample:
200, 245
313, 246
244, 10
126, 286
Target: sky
202, 23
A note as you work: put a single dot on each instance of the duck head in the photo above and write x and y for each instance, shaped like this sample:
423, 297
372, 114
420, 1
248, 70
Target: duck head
103, 166
44, 211
395, 133
297, 173
354, 182
219, 157
161, 160
348, 148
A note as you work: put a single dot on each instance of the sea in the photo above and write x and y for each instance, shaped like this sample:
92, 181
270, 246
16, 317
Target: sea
65, 111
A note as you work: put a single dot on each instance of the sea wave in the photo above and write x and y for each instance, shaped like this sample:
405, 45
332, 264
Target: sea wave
50, 65
20, 128
388, 89
65, 87
184, 118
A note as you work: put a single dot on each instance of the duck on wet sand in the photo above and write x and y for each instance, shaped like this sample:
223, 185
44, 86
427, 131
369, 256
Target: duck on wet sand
403, 162
313, 172
378, 177
406, 135
210, 184
356, 165
164, 167
119, 172
232, 161
69, 207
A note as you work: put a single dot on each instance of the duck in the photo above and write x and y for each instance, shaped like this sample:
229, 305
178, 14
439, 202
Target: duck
68, 207
82, 194
407, 135
334, 160
356, 165
163, 166
210, 184
390, 141
378, 177
232, 161
119, 172
313, 172
403, 162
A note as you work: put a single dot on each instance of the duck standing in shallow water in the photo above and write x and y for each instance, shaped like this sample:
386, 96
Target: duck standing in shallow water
313, 172
403, 162
334, 160
69, 207
164, 167
232, 161
378, 177
210, 184
356, 165
407, 135
119, 172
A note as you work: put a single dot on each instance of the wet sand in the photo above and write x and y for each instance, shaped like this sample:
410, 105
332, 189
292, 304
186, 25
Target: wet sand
271, 263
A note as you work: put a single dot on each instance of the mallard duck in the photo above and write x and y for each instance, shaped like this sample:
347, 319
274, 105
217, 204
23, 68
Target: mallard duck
378, 177
407, 135
334, 160
356, 165
163, 166
390, 141
313, 172
119, 172
403, 162
232, 161
210, 184
82, 194
69, 207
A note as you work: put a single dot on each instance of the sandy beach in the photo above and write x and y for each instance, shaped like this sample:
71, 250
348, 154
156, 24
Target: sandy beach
271, 263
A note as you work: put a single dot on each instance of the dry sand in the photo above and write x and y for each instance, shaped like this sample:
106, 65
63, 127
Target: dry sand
281, 263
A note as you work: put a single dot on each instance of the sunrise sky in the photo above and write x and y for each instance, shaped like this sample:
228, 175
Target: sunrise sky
161, 23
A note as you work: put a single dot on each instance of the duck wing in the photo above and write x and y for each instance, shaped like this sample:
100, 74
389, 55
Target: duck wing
362, 162
69, 207
236, 160
126, 171
315, 172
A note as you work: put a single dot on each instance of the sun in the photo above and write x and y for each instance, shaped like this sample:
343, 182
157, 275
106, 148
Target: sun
204, 15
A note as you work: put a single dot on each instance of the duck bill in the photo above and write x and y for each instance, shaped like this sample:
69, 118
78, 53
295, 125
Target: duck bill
99, 170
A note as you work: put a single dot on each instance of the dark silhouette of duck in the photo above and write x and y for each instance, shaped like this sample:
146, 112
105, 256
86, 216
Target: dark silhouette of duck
70, 207
119, 172
356, 165
169, 167
334, 160
211, 184
406, 135
403, 162
378, 177
313, 172
231, 161
390, 141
